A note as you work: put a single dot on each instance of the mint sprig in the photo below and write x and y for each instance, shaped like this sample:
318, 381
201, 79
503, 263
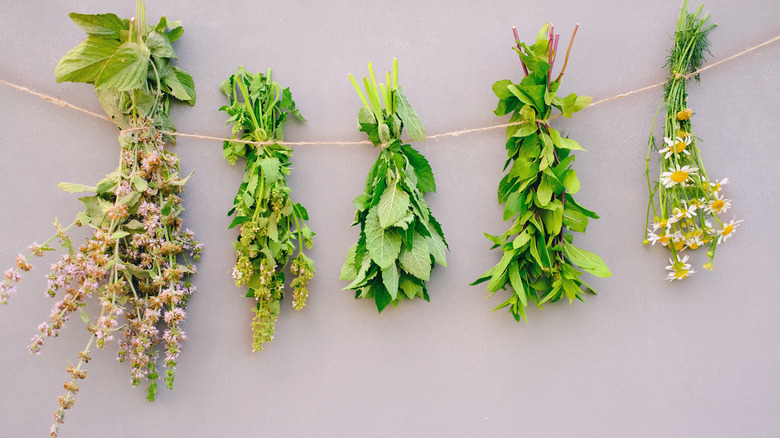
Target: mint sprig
400, 240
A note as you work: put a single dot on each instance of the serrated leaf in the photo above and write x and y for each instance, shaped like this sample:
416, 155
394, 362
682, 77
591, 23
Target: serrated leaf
126, 69
383, 245
84, 62
390, 280
422, 169
410, 288
181, 85
393, 206
437, 248
348, 269
270, 169
417, 261
159, 45
99, 24
412, 123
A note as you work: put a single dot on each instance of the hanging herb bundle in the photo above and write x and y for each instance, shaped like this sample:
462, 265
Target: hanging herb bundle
540, 262
690, 205
268, 219
136, 260
400, 240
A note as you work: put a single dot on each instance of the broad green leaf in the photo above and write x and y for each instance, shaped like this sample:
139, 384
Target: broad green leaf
552, 216
393, 206
525, 130
271, 170
422, 169
76, 188
515, 203
412, 123
417, 261
383, 245
100, 24
500, 89
571, 182
410, 288
544, 191
113, 103
587, 261
521, 240
390, 280
84, 62
574, 220
159, 45
437, 247
126, 69
181, 85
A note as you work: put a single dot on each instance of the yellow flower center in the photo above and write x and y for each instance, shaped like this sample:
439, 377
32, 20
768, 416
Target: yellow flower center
693, 245
679, 176
679, 147
684, 114
681, 273
726, 231
679, 245
717, 205
664, 239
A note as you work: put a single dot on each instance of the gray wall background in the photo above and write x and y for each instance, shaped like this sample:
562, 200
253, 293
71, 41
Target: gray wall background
643, 358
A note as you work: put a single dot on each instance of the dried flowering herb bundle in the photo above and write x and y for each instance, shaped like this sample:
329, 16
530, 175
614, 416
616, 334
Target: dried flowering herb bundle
268, 219
690, 204
400, 240
540, 263
137, 259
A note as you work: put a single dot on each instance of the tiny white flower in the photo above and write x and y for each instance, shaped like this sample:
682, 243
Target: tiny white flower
728, 230
676, 146
680, 175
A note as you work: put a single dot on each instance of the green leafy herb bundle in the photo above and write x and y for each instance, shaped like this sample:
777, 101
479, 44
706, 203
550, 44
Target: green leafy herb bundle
690, 205
400, 240
268, 219
540, 262
137, 259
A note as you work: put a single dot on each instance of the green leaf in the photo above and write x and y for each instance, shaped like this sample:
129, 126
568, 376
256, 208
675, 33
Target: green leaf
410, 288
383, 245
348, 270
84, 316
574, 220
271, 169
412, 123
544, 191
500, 89
84, 62
517, 283
390, 280
126, 69
571, 182
587, 261
100, 24
521, 240
422, 169
436, 247
159, 45
181, 85
75, 188
393, 206
417, 261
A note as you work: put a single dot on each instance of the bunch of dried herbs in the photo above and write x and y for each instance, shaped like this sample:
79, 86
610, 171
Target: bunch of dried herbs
137, 261
539, 263
400, 240
270, 222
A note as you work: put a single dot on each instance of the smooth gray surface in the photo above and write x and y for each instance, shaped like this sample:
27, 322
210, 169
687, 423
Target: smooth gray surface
643, 358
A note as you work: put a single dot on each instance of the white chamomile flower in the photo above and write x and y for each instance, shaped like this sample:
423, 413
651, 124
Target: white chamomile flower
718, 185
718, 205
728, 230
679, 270
676, 146
680, 175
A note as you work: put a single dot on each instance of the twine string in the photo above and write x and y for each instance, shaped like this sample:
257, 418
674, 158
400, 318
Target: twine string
65, 104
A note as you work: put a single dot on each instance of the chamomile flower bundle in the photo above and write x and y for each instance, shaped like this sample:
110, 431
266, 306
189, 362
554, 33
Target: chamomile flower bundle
689, 209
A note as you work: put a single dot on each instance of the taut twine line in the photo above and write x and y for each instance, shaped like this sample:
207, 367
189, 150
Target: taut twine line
62, 103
